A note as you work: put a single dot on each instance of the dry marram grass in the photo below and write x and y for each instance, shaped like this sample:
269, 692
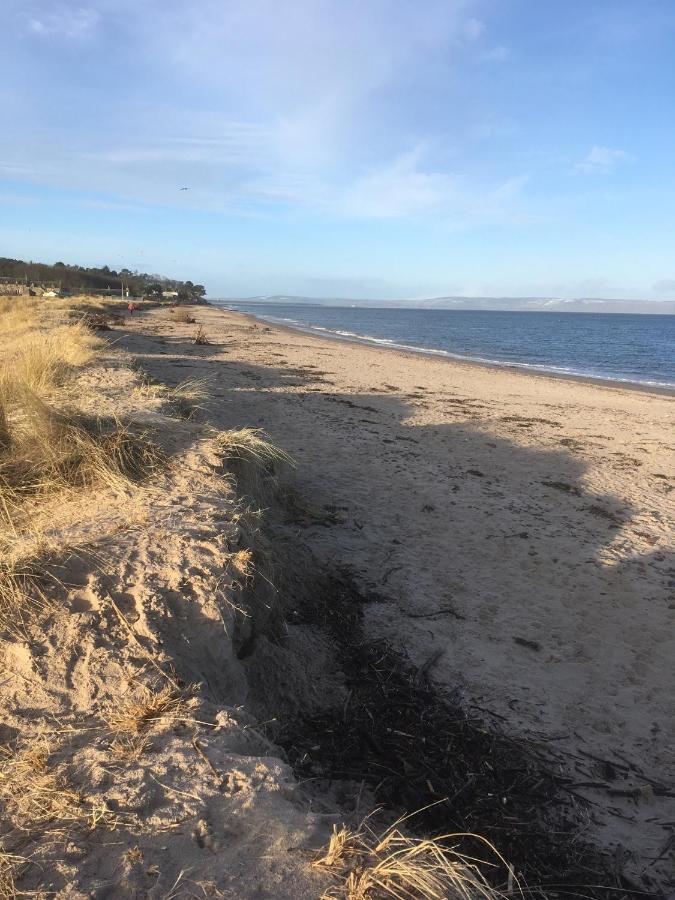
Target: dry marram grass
148, 707
42, 362
37, 793
182, 315
48, 450
394, 865
250, 446
43, 451
21, 597
8, 866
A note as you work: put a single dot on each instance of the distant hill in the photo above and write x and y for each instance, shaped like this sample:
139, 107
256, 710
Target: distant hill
78, 278
506, 304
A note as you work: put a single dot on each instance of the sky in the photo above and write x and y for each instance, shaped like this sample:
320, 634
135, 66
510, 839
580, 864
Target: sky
347, 148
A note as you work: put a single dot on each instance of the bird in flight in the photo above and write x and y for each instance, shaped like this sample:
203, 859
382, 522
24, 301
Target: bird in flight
184, 189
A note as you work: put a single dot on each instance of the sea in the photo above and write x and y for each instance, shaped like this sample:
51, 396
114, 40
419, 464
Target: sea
628, 348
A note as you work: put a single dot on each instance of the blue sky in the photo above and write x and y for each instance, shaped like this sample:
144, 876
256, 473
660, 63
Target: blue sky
353, 148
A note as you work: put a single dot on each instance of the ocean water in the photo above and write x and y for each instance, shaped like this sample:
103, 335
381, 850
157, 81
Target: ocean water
618, 347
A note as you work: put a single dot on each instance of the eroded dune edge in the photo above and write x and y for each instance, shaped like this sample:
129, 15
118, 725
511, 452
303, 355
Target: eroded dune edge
191, 704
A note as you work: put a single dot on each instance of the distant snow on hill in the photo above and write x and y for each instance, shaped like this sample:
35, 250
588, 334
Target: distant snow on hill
505, 304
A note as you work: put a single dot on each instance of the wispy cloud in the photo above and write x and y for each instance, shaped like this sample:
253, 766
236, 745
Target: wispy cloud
473, 28
602, 161
63, 21
499, 54
406, 188
255, 104
665, 286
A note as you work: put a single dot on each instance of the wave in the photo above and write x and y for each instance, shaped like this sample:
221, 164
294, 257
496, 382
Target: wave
389, 343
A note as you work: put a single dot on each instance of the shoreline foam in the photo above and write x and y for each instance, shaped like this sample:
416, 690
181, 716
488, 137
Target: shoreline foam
387, 344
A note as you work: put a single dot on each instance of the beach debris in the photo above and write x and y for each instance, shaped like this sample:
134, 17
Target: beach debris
524, 642
200, 337
424, 752
564, 487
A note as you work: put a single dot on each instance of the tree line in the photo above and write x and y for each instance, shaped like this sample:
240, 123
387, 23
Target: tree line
80, 278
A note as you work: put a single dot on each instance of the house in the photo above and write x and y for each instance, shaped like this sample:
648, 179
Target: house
169, 293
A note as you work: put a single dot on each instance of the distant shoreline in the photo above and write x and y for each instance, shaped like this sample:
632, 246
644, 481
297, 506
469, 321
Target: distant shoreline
523, 370
601, 307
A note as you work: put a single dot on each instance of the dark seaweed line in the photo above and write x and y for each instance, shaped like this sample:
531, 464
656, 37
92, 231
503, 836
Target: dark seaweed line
420, 750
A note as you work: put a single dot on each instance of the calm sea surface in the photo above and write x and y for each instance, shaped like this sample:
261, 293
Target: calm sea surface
619, 347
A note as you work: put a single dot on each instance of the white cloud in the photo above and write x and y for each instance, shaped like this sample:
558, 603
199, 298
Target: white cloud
258, 105
602, 161
498, 54
64, 21
473, 29
406, 189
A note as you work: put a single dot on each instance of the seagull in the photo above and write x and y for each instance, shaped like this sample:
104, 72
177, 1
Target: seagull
183, 189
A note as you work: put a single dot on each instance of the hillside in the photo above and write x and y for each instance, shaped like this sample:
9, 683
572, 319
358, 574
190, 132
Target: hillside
502, 304
79, 278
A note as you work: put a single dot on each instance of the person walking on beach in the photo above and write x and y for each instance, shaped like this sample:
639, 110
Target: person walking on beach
131, 307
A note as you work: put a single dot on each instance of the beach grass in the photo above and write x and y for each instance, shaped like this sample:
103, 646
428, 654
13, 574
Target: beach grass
393, 864
49, 448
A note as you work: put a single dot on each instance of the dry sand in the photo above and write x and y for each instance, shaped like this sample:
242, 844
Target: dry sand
518, 531
521, 524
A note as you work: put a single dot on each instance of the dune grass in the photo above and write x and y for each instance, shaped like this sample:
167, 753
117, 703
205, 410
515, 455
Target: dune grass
21, 596
149, 706
43, 451
37, 793
254, 461
9, 864
251, 446
179, 314
394, 865
42, 362
49, 450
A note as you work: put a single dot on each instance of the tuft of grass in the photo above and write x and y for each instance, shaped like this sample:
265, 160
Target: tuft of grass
43, 451
130, 748
181, 314
38, 796
148, 707
242, 562
21, 598
188, 396
394, 865
250, 447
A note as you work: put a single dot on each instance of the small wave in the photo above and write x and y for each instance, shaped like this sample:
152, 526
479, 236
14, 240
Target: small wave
389, 343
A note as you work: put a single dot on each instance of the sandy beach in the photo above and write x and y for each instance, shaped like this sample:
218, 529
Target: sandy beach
521, 525
463, 581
